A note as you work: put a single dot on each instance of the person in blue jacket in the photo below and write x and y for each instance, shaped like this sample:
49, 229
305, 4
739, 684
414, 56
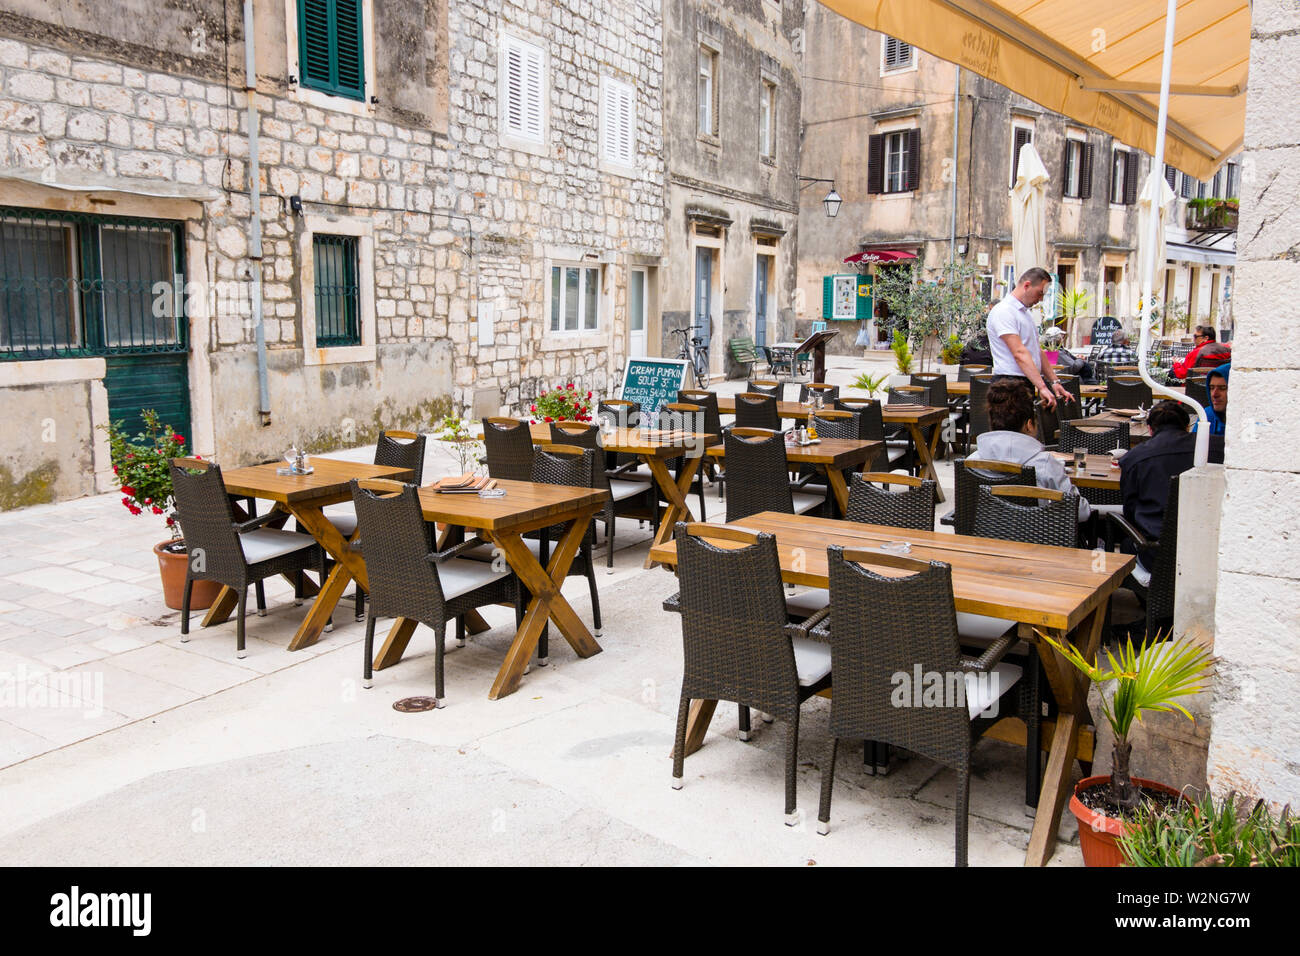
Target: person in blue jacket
1216, 383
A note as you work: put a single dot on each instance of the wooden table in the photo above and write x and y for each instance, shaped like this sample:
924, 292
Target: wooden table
655, 448
830, 456
1056, 590
503, 521
1085, 391
1099, 471
305, 498
914, 418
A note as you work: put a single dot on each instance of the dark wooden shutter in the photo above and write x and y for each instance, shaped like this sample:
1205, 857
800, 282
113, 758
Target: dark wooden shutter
1022, 137
1171, 176
913, 160
876, 163
1187, 186
330, 47
1131, 178
1085, 172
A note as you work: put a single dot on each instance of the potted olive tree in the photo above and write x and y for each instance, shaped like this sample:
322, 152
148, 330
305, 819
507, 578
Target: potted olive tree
1148, 679
142, 465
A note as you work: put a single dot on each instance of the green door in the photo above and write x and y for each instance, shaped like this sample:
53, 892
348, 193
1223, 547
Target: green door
160, 382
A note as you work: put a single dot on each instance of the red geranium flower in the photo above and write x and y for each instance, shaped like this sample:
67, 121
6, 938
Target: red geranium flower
569, 386
589, 395
170, 521
532, 408
548, 418
157, 510
179, 438
128, 490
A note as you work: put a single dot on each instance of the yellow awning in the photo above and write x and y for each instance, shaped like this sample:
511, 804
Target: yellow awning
1096, 61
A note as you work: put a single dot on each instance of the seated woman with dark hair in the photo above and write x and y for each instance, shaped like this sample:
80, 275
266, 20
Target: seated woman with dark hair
1145, 471
1014, 438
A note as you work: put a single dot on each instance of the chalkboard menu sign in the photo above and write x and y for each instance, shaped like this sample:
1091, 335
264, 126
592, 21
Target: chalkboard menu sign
654, 382
1104, 329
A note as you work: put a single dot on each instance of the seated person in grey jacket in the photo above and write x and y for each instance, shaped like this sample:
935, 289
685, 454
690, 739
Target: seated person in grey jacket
1014, 438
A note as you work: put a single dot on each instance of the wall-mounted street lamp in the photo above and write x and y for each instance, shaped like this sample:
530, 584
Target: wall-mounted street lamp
832, 200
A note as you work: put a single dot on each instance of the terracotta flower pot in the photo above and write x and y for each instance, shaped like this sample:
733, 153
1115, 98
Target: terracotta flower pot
172, 569
1098, 832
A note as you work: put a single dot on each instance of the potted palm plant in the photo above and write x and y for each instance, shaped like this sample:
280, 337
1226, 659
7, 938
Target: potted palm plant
1150, 678
142, 463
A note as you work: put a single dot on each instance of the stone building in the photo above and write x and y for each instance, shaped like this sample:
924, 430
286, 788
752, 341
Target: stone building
884, 132
455, 200
1200, 249
731, 144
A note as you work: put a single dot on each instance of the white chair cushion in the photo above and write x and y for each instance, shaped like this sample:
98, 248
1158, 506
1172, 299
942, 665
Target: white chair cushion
982, 690
263, 544
459, 576
812, 660
639, 473
620, 489
343, 516
1141, 575
978, 628
807, 603
804, 503
1109, 509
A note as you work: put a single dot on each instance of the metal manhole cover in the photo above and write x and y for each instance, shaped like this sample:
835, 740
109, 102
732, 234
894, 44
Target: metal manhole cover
415, 705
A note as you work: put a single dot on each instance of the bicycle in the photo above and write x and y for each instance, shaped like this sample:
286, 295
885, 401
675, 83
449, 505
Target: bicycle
695, 351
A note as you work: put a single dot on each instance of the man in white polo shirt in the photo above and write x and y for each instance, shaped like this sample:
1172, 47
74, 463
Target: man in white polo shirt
1013, 339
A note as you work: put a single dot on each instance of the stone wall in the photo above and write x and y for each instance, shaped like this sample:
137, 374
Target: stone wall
1255, 711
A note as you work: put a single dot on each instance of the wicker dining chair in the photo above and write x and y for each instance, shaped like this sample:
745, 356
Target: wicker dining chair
758, 476
970, 474
230, 552
831, 424
1098, 438
979, 408
757, 410
622, 495
828, 392
764, 386
508, 445
410, 579
736, 645
937, 384
1031, 515
880, 626
396, 449
871, 427
911, 507
964, 372
1127, 391
1160, 555
908, 395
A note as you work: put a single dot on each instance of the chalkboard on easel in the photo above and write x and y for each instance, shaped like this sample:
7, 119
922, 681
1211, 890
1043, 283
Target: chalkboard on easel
653, 382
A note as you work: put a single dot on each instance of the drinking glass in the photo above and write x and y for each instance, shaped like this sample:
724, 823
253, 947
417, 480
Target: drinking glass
1080, 460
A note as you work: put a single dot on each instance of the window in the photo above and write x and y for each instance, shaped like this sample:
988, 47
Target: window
986, 288
708, 91
1021, 133
575, 298
523, 90
1171, 177
893, 161
1189, 186
1123, 177
1233, 181
1077, 182
331, 47
767, 122
618, 122
337, 291
78, 285
895, 55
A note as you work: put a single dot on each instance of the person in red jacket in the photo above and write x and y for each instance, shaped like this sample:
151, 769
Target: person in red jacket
1204, 336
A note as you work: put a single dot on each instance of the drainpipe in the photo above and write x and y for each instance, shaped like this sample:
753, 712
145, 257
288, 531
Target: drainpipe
956, 114
255, 220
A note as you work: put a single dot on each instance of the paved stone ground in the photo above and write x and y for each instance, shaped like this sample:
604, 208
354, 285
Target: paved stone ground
120, 745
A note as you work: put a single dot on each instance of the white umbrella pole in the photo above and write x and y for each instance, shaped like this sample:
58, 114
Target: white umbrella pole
1153, 239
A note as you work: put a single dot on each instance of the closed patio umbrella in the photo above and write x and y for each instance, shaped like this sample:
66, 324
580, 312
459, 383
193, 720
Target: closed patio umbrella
1156, 200
1029, 212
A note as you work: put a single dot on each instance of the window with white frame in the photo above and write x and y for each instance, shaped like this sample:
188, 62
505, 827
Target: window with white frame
1123, 177
575, 297
617, 122
767, 122
895, 55
523, 90
1077, 181
895, 162
707, 87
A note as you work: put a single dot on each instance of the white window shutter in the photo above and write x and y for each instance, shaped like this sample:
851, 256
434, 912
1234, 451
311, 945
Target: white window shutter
514, 91
533, 85
626, 126
618, 122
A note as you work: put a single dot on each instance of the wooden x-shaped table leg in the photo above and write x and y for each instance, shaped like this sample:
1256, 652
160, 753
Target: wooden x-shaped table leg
348, 566
1070, 688
675, 490
835, 481
926, 450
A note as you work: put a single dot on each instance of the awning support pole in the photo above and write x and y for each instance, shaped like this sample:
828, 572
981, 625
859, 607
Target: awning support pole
1153, 238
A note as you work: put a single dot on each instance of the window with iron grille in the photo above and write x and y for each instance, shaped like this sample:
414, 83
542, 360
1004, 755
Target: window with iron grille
76, 285
338, 292
897, 55
331, 51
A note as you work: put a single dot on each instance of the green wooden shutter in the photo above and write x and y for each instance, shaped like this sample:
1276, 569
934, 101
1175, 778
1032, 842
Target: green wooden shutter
330, 45
864, 297
828, 297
